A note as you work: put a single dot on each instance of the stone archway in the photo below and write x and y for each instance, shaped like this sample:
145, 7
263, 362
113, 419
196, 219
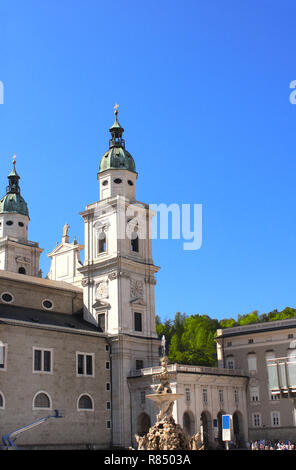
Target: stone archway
219, 420
144, 423
206, 423
188, 423
238, 434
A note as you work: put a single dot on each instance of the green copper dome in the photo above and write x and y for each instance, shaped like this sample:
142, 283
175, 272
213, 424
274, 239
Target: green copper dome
13, 201
117, 157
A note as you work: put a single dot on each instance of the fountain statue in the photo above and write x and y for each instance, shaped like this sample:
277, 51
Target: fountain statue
166, 434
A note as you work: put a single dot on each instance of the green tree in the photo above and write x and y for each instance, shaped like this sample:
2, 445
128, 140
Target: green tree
196, 344
227, 323
248, 318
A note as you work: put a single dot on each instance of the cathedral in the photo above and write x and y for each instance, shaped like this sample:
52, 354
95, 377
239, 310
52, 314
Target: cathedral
70, 340
82, 339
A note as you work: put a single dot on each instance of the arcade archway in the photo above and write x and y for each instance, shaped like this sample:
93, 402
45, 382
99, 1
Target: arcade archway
144, 424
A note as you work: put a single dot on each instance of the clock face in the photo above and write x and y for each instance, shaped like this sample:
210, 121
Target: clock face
102, 289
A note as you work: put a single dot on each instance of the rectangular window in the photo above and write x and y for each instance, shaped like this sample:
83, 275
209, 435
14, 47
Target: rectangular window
89, 364
230, 363
108, 424
135, 242
85, 364
252, 362
139, 364
37, 359
42, 360
275, 396
251, 341
80, 362
102, 245
2, 357
138, 321
101, 322
108, 405
205, 395
275, 418
46, 361
107, 365
256, 420
221, 398
143, 398
187, 394
108, 386
254, 394
236, 396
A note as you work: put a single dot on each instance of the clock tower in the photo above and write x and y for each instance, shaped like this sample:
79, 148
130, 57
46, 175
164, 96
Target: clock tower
17, 253
118, 276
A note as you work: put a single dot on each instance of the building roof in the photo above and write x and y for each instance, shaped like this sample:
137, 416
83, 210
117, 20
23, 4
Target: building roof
188, 369
254, 328
40, 318
39, 281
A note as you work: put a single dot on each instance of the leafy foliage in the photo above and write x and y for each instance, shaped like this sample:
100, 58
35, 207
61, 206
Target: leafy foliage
191, 339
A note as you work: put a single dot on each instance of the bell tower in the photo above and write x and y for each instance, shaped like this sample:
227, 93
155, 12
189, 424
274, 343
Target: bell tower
119, 275
17, 253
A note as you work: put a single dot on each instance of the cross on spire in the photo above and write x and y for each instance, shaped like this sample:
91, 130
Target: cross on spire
116, 110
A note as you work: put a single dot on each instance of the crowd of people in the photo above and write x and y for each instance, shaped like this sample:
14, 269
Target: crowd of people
272, 445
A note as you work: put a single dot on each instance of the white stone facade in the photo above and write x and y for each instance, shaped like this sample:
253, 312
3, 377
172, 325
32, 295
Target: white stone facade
207, 393
17, 253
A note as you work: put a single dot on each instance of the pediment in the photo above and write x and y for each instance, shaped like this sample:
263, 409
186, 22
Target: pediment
101, 305
64, 247
138, 301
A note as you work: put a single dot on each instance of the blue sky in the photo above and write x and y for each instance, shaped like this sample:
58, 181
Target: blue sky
203, 89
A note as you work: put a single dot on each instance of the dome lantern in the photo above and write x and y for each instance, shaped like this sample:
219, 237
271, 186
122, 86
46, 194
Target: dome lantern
117, 157
13, 202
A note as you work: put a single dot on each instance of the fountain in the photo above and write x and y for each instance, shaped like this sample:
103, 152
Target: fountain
166, 434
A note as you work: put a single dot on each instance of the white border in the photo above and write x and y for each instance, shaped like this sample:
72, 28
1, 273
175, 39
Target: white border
84, 364
92, 402
3, 400
42, 407
5, 345
46, 308
37, 348
4, 301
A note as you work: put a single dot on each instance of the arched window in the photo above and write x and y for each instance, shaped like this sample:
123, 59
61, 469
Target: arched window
42, 400
22, 270
85, 402
102, 242
2, 401
135, 242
